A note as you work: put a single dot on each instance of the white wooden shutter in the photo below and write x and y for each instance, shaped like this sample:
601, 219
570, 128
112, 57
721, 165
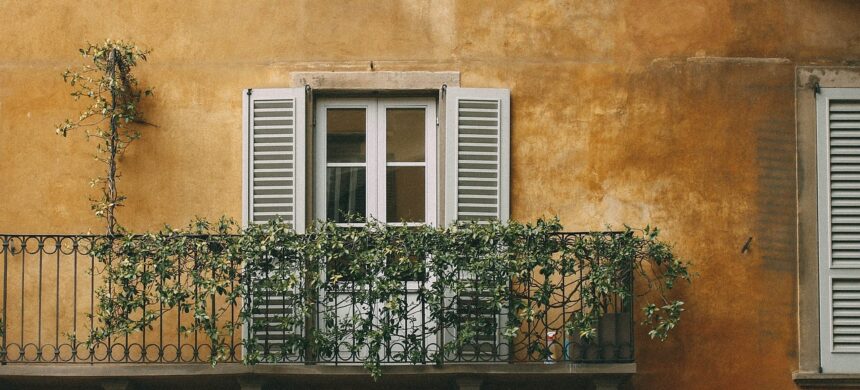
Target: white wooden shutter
274, 156
477, 154
274, 186
839, 228
477, 186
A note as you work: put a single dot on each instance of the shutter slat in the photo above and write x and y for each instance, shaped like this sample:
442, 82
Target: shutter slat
845, 124
843, 159
845, 210
845, 105
848, 141
850, 116
843, 151
482, 146
482, 136
845, 168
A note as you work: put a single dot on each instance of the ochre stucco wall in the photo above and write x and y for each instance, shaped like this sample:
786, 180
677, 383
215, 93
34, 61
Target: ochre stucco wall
675, 113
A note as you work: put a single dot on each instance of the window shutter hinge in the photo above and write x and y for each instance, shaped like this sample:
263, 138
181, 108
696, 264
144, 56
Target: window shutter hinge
816, 88
249, 91
820, 370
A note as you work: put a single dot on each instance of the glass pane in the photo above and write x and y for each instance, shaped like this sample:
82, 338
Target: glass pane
345, 195
405, 194
345, 137
405, 134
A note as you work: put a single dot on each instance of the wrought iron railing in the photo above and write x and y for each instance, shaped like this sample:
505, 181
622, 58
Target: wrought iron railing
49, 285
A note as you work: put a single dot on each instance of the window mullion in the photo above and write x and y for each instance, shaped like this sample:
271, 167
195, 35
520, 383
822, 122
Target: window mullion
430, 165
383, 162
375, 149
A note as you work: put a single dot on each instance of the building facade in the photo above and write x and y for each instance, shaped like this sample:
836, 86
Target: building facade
728, 124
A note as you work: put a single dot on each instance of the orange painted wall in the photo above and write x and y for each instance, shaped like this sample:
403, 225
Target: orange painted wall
675, 113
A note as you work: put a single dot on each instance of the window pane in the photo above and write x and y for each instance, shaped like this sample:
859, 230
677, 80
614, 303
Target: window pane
345, 195
405, 194
404, 135
345, 137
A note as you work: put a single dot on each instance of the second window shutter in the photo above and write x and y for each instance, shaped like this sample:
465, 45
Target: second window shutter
839, 228
274, 186
477, 186
274, 150
477, 154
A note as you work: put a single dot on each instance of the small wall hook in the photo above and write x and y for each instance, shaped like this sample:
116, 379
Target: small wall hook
746, 247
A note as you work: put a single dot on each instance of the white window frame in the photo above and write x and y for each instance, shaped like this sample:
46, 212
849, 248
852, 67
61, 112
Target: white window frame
375, 162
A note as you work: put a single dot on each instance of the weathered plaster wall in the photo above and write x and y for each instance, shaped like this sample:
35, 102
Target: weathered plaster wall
674, 113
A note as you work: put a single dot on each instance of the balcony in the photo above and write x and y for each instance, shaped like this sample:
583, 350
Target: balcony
50, 304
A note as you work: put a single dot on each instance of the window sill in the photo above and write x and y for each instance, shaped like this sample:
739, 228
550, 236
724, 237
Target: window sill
817, 380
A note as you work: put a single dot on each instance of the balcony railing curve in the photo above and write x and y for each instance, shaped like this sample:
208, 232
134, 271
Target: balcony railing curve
49, 296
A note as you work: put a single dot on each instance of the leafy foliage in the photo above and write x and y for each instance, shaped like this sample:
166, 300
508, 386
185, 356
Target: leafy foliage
524, 270
113, 105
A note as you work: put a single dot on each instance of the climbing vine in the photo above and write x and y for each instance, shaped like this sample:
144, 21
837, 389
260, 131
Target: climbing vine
112, 115
522, 273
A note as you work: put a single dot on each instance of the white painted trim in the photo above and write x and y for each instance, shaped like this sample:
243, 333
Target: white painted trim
321, 157
246, 166
823, 160
404, 164
451, 97
505, 166
429, 163
375, 153
381, 186
246, 177
299, 154
376, 159
431, 177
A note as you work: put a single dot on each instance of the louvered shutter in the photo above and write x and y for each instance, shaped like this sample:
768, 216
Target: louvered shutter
839, 229
477, 154
477, 186
274, 158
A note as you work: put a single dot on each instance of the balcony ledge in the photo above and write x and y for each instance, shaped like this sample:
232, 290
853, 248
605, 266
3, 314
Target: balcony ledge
233, 375
131, 370
819, 380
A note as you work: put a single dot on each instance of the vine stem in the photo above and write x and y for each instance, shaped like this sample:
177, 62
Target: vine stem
111, 198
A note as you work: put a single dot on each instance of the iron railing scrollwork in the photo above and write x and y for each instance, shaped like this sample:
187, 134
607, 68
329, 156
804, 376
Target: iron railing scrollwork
49, 297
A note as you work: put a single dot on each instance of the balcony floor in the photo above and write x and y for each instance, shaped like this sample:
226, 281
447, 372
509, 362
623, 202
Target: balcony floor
229, 375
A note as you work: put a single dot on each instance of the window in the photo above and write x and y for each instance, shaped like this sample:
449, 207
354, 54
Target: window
376, 158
